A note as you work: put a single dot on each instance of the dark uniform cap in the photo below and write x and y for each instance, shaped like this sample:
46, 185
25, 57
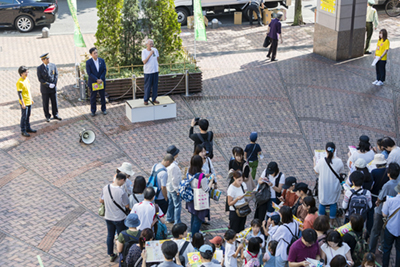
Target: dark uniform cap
44, 56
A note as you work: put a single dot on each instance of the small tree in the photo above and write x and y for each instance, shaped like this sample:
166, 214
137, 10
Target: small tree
298, 16
109, 29
132, 37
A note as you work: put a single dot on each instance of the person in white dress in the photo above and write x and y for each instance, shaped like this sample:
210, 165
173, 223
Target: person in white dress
333, 246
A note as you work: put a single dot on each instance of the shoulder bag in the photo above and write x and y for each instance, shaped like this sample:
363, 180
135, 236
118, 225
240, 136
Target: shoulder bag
341, 177
385, 220
244, 209
125, 211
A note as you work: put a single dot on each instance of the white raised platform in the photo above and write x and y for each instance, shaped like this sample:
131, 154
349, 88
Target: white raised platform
137, 111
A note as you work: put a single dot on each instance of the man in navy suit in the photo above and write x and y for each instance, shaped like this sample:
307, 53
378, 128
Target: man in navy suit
48, 75
96, 70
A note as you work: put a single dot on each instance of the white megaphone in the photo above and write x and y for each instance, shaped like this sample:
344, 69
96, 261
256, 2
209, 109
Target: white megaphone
87, 137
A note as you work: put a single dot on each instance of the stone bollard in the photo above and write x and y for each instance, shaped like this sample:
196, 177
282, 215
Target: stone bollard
45, 32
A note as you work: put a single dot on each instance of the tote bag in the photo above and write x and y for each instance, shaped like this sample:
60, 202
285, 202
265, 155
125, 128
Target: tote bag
200, 197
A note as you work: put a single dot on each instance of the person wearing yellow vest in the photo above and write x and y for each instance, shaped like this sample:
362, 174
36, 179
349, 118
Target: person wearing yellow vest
381, 51
372, 23
25, 100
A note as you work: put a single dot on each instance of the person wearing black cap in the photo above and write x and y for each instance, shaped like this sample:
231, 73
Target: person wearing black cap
289, 197
275, 179
174, 178
96, 70
299, 210
363, 151
48, 76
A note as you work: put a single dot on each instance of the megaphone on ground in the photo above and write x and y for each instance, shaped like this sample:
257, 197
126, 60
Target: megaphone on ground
87, 137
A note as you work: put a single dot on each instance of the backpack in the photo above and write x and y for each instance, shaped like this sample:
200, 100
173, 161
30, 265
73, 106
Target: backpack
185, 189
294, 238
153, 181
253, 262
208, 145
129, 240
360, 249
160, 230
358, 203
181, 257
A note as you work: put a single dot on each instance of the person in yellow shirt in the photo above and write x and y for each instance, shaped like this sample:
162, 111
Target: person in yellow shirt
25, 100
381, 51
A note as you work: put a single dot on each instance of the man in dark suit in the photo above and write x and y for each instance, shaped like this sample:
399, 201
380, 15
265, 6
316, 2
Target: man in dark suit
48, 75
96, 70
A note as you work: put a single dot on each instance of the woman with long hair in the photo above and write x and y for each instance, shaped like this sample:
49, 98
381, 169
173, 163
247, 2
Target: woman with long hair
329, 187
364, 151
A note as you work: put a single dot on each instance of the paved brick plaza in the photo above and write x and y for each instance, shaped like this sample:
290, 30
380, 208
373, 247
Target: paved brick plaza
50, 183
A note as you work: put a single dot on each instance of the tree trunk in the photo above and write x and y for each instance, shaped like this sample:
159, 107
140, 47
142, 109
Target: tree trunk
298, 16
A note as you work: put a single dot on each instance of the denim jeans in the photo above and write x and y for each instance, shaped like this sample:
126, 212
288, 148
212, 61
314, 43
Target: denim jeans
25, 116
332, 210
195, 224
113, 226
174, 207
388, 241
376, 232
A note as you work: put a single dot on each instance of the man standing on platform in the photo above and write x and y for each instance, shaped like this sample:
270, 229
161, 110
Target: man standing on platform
96, 70
372, 23
150, 59
275, 34
48, 75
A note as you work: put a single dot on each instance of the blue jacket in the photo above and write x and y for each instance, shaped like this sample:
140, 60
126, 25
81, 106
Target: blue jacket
93, 74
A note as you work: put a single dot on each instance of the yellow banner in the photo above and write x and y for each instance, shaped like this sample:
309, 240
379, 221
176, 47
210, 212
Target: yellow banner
328, 6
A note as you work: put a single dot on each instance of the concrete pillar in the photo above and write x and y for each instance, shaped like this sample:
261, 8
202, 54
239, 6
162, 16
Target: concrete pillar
339, 31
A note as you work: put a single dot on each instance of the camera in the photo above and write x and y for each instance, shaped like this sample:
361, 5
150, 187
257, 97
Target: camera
196, 121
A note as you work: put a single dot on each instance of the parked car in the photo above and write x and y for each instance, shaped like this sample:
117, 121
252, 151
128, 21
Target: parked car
26, 14
184, 7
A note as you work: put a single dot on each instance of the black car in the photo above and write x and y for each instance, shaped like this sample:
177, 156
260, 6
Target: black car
26, 14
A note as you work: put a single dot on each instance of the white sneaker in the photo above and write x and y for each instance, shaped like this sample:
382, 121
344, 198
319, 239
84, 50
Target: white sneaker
374, 83
379, 83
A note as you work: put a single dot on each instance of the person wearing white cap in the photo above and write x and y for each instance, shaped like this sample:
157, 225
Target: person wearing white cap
126, 168
391, 210
372, 23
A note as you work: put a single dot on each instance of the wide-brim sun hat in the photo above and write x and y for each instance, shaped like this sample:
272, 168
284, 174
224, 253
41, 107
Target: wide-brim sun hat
379, 159
126, 168
132, 220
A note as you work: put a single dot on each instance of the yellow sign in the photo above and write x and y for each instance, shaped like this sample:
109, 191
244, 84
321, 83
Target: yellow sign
97, 87
328, 6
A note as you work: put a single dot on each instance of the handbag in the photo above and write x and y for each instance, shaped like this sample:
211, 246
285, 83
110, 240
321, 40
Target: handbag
385, 220
341, 177
244, 209
267, 41
102, 210
263, 194
126, 211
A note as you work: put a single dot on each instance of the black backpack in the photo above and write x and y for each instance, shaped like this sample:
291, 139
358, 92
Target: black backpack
208, 145
294, 238
129, 240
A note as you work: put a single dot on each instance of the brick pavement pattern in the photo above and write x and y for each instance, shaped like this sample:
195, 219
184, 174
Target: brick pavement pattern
50, 183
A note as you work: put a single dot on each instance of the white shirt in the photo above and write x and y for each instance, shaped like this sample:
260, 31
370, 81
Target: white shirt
162, 178
230, 249
146, 212
189, 248
368, 157
152, 64
372, 16
113, 213
283, 234
394, 156
174, 177
235, 192
329, 187
96, 63
331, 253
272, 180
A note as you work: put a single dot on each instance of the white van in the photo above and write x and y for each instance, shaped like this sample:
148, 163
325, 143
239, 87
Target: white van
184, 7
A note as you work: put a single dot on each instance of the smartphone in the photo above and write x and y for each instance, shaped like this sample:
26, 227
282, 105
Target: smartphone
196, 121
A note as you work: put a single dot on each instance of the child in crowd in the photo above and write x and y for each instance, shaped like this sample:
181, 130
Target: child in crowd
251, 153
271, 226
170, 251
357, 179
231, 252
309, 205
269, 257
288, 197
197, 241
179, 232
215, 249
251, 254
206, 255
217, 241
369, 260
256, 232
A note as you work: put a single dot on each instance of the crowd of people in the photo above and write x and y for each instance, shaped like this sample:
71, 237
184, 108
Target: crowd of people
288, 228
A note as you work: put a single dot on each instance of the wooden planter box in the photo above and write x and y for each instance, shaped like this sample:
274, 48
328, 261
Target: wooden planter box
119, 89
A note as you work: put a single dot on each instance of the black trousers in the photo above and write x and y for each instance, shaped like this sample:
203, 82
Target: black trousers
54, 105
93, 95
273, 48
163, 204
250, 14
369, 30
381, 70
236, 223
